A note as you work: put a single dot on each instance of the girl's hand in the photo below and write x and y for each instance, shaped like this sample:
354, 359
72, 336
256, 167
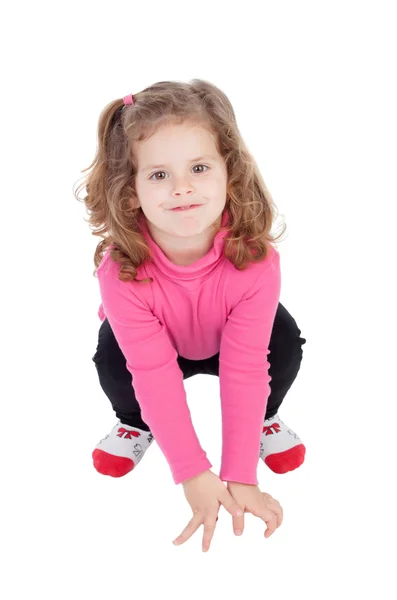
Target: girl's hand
262, 505
205, 493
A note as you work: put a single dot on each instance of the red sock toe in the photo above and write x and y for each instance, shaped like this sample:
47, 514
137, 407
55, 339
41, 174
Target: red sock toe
109, 464
291, 459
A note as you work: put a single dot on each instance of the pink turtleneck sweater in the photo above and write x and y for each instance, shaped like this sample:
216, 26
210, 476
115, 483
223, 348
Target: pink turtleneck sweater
197, 311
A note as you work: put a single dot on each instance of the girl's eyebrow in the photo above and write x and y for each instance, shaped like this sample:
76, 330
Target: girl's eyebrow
148, 167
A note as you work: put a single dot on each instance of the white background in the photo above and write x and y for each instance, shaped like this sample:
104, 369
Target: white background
313, 85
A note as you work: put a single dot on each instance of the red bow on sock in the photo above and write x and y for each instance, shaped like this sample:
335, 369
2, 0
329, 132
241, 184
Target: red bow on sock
127, 433
268, 429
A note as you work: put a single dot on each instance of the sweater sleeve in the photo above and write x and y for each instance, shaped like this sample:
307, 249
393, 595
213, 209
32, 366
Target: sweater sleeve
243, 374
157, 379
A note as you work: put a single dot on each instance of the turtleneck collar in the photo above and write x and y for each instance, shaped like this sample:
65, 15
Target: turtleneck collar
202, 267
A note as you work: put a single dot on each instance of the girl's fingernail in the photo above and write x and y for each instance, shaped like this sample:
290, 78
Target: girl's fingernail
238, 532
239, 513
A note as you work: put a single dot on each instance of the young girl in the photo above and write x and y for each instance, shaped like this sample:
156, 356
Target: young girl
190, 283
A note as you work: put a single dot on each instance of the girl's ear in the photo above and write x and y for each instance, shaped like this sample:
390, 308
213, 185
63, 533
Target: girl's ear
135, 203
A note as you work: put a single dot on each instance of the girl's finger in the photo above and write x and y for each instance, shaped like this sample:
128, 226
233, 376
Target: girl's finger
271, 523
269, 517
274, 505
277, 510
190, 528
238, 525
209, 529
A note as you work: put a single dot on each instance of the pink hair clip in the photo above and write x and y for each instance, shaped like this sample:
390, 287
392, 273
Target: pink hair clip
129, 99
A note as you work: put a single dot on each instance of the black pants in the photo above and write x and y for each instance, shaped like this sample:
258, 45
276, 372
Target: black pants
285, 357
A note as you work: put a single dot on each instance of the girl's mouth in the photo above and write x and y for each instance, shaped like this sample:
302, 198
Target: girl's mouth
183, 208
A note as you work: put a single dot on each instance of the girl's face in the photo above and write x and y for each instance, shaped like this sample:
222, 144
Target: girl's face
180, 165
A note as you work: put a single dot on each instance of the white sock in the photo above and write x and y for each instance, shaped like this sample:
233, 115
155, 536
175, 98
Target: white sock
280, 447
121, 450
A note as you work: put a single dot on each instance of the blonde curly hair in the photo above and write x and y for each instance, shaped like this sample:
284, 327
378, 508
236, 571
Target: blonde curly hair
110, 184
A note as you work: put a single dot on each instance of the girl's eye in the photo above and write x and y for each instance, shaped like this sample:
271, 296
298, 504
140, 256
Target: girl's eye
157, 172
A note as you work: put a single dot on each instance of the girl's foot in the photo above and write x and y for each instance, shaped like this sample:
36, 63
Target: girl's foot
281, 448
121, 450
